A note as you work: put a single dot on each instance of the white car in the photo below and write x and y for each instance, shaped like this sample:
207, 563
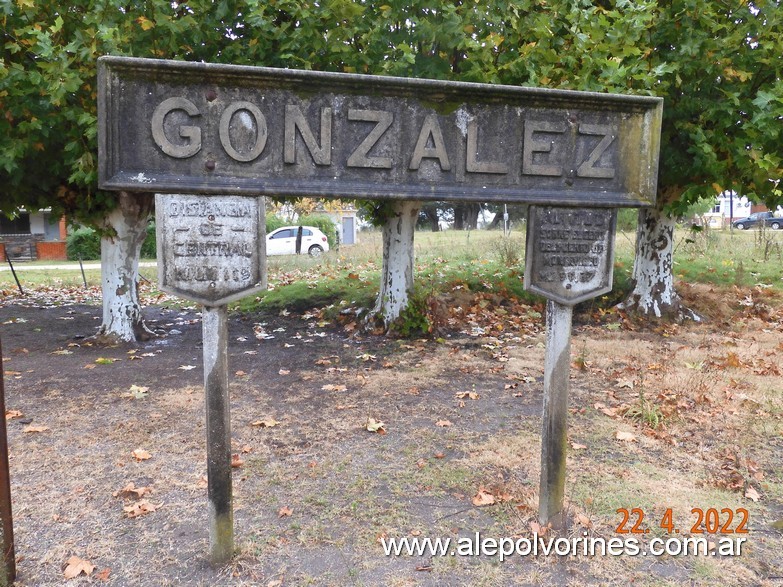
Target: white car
282, 241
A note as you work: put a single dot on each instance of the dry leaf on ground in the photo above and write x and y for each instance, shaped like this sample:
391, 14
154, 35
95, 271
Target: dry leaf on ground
140, 508
625, 436
752, 494
375, 426
76, 566
265, 423
141, 455
35, 429
284, 511
443, 423
131, 491
482, 498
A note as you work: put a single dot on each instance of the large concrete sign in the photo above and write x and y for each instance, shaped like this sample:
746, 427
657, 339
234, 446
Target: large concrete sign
175, 127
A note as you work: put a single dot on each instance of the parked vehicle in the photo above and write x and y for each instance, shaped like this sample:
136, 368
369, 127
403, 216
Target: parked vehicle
757, 219
283, 241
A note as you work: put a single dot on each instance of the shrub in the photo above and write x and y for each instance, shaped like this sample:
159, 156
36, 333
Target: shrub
324, 224
86, 242
273, 222
83, 243
149, 249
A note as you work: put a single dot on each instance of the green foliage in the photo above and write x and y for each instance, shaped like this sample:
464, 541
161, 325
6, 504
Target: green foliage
149, 248
510, 251
717, 64
627, 219
413, 320
83, 243
86, 242
273, 222
324, 224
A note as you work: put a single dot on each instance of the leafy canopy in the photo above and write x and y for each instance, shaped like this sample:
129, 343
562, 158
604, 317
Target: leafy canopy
717, 64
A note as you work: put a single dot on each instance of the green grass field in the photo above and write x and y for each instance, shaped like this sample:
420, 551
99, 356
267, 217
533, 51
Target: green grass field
477, 260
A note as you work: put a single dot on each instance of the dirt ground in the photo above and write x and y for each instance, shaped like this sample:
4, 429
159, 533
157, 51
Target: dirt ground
678, 417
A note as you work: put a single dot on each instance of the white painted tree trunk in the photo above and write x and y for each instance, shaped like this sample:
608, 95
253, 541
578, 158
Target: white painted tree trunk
653, 294
120, 251
397, 269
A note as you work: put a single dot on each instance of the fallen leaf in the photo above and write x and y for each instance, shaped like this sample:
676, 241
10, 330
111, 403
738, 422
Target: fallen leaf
236, 461
9, 414
265, 423
583, 521
186, 367
240, 373
577, 446
133, 492
75, 566
103, 575
141, 455
443, 423
332, 387
62, 352
104, 361
138, 391
35, 429
374, 426
538, 529
751, 493
482, 498
140, 508
284, 372
627, 383
89, 366
284, 511
467, 394
625, 436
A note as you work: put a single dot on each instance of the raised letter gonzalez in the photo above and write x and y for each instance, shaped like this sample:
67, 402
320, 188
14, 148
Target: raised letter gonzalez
179, 127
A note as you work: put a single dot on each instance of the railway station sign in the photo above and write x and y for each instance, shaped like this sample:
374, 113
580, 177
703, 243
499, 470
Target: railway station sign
200, 128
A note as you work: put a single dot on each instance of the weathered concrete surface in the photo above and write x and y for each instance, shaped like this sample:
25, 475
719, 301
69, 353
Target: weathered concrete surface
569, 256
554, 429
221, 513
211, 250
174, 127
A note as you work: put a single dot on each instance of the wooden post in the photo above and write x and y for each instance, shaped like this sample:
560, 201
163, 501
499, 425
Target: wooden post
6, 519
554, 431
221, 513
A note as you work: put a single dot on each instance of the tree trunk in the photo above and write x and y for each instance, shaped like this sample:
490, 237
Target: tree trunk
120, 250
653, 292
459, 217
397, 269
431, 212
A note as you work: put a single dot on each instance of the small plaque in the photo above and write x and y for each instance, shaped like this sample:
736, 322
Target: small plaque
570, 252
211, 250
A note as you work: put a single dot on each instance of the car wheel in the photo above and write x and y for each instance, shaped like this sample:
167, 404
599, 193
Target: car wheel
775, 226
740, 226
315, 251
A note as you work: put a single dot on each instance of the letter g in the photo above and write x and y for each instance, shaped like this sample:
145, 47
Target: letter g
193, 133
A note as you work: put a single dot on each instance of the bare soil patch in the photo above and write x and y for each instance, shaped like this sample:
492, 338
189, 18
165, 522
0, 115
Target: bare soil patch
315, 491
